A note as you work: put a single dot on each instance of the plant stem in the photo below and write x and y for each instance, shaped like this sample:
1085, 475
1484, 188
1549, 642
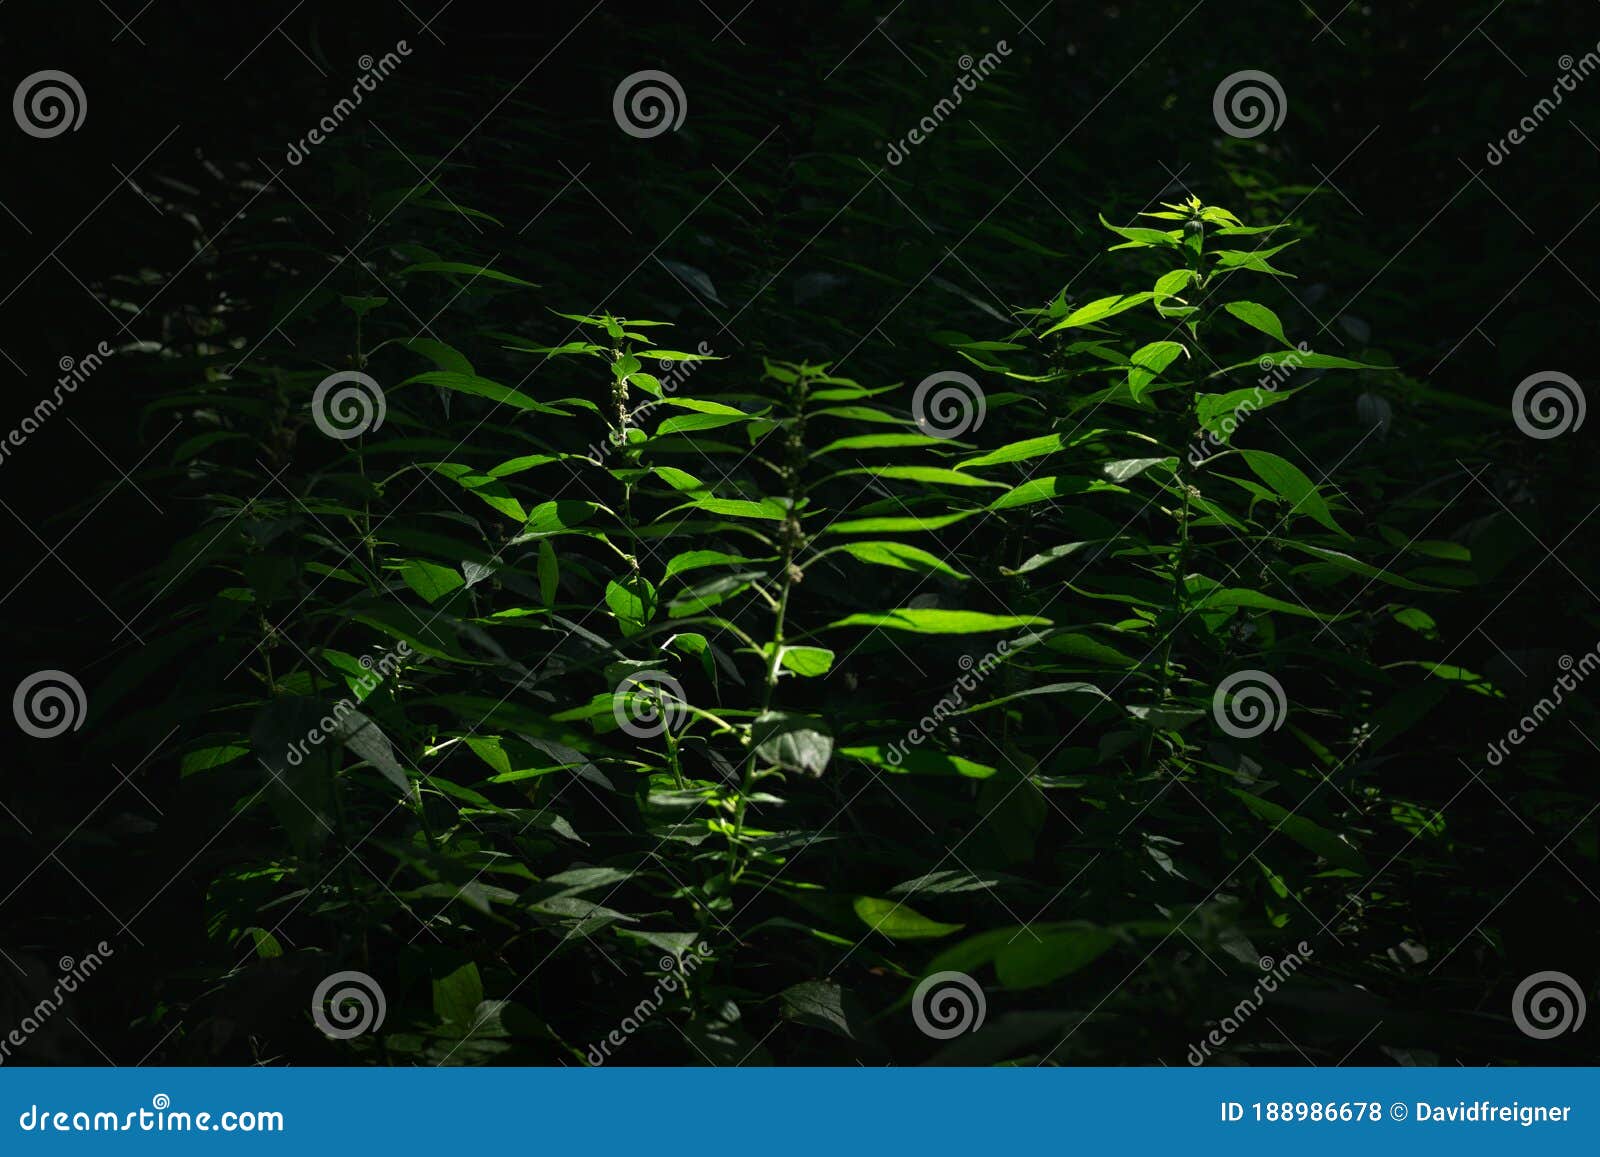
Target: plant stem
793, 540
1181, 475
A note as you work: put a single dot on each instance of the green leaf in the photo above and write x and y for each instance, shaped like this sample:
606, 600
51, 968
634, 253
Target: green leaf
562, 514
1045, 557
1313, 361
1252, 259
485, 487
705, 406
1045, 489
893, 525
916, 761
680, 480
206, 758
1140, 237
1030, 962
363, 737
673, 355
456, 996
1072, 688
361, 306
688, 423
792, 741
1230, 598
1216, 411
525, 462
1126, 468
1356, 566
899, 922
1171, 284
974, 952
1149, 361
807, 661
898, 555
1258, 317
1100, 310
697, 559
484, 388
475, 272
1028, 448
937, 475
430, 580
1290, 483
881, 442
267, 946
1088, 648
1301, 359
769, 509
1304, 832
1017, 452
926, 621
490, 749
819, 1003
446, 357
633, 601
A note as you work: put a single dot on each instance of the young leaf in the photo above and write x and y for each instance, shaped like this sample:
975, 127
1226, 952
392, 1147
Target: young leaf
924, 621
1304, 832
1291, 484
792, 741
1259, 317
900, 922
808, 661
1149, 361
633, 601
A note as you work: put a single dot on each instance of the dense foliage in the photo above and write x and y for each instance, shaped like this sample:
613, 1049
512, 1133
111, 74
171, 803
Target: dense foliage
660, 599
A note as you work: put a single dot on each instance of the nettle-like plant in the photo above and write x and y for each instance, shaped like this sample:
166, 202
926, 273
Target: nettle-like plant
727, 593
402, 611
603, 701
1221, 564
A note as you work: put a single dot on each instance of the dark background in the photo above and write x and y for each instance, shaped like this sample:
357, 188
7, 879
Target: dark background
1470, 276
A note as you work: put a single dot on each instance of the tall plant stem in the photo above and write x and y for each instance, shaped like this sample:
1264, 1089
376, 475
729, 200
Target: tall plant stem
793, 539
1182, 474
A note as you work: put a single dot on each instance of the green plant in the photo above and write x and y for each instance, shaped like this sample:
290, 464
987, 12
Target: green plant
548, 670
